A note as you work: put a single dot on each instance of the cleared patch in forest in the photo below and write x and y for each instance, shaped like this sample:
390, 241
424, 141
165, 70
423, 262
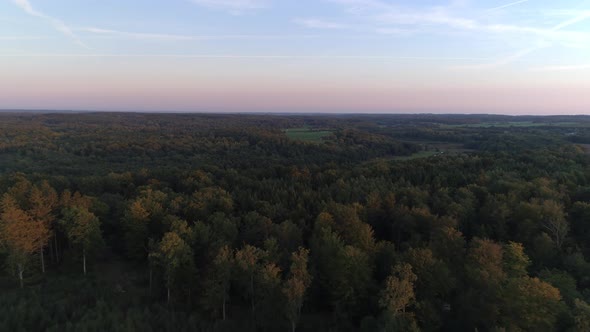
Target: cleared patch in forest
433, 148
419, 155
307, 134
586, 147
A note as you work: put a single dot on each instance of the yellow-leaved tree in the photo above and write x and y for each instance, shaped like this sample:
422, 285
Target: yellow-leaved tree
19, 235
83, 230
296, 286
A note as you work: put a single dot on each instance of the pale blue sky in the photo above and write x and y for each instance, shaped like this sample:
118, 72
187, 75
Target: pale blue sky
269, 55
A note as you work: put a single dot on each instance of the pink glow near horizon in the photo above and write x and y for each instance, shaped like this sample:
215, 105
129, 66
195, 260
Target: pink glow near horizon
289, 86
526, 57
505, 101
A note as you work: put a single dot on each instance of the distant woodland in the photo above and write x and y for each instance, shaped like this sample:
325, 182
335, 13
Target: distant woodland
194, 222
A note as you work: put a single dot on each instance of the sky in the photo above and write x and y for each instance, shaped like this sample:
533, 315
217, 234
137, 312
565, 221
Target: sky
337, 56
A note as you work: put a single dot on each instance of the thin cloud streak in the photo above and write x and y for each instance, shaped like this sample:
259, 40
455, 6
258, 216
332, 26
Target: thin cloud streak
234, 7
314, 23
500, 62
520, 54
321, 24
57, 24
383, 14
22, 37
508, 5
174, 37
580, 18
563, 68
390, 17
239, 56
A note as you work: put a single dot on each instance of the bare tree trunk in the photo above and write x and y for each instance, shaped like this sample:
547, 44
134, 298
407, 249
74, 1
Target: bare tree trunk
51, 253
168, 294
42, 260
223, 307
252, 292
293, 327
151, 279
20, 275
56, 248
252, 299
84, 259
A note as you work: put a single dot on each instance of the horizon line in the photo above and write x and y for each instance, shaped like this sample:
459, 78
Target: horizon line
74, 111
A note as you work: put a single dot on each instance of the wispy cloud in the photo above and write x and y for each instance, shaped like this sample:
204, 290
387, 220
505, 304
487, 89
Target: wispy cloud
549, 34
57, 24
449, 19
433, 16
384, 13
563, 68
394, 31
508, 5
501, 61
572, 39
582, 16
322, 24
235, 7
21, 37
242, 56
133, 35
315, 23
177, 37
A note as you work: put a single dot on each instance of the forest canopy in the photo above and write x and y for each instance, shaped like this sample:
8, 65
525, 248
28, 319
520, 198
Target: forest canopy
205, 222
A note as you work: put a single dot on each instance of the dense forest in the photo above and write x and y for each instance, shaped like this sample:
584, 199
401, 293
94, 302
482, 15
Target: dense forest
194, 222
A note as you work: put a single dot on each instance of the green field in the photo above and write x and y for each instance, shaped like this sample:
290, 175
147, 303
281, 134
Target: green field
307, 134
418, 155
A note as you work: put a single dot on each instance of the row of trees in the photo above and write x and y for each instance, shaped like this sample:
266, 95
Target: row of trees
33, 216
199, 258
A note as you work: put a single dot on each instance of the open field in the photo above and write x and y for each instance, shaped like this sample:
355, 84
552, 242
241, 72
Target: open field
418, 155
307, 134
